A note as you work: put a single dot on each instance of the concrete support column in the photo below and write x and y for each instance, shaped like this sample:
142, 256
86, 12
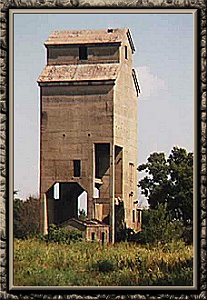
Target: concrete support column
90, 207
111, 194
44, 215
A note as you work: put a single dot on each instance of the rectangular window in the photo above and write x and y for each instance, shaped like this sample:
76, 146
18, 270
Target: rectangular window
77, 168
131, 174
125, 52
83, 53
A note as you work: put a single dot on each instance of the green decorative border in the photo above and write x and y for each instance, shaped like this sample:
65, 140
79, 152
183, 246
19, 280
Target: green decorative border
5, 6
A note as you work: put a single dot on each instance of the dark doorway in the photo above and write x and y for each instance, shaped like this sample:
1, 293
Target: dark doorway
103, 237
93, 236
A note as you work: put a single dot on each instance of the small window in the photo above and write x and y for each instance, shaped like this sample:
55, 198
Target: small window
133, 216
77, 168
83, 53
126, 52
93, 236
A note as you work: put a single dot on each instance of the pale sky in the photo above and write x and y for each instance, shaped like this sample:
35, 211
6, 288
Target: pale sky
163, 59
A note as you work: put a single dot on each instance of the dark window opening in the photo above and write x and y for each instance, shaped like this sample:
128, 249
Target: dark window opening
133, 216
102, 159
125, 51
83, 53
76, 168
93, 236
131, 174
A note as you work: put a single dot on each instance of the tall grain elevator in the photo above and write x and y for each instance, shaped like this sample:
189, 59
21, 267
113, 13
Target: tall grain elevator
88, 130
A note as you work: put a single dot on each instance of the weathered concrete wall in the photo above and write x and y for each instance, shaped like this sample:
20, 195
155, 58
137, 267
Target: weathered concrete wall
125, 130
73, 119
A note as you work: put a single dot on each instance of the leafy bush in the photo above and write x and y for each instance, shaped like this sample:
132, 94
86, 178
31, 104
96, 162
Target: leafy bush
158, 228
104, 266
188, 234
62, 235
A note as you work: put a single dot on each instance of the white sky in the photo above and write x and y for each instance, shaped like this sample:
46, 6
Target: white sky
163, 59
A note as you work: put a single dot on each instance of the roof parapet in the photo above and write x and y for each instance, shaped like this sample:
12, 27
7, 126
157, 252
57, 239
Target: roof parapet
88, 36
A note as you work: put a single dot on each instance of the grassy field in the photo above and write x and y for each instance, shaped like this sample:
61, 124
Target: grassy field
90, 264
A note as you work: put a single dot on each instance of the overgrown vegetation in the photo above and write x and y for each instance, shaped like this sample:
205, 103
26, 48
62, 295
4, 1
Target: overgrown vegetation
37, 262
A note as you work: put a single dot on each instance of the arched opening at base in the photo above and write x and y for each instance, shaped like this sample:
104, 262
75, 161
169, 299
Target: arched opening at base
62, 201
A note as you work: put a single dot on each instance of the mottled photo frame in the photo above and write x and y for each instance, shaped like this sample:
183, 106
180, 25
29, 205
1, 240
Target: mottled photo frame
6, 142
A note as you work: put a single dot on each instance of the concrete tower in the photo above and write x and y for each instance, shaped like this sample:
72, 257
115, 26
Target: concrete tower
88, 134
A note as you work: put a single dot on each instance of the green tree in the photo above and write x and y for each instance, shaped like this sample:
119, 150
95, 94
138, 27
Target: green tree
170, 181
17, 224
181, 185
26, 217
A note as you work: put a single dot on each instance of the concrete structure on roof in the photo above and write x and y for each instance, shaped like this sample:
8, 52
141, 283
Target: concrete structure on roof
88, 100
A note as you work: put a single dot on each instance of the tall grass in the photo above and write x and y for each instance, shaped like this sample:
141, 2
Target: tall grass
90, 264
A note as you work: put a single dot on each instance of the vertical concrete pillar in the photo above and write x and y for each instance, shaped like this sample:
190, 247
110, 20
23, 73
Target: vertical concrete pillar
90, 208
111, 194
44, 215
91, 182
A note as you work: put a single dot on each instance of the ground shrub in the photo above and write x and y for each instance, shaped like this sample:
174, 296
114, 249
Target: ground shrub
61, 235
104, 266
188, 234
162, 232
